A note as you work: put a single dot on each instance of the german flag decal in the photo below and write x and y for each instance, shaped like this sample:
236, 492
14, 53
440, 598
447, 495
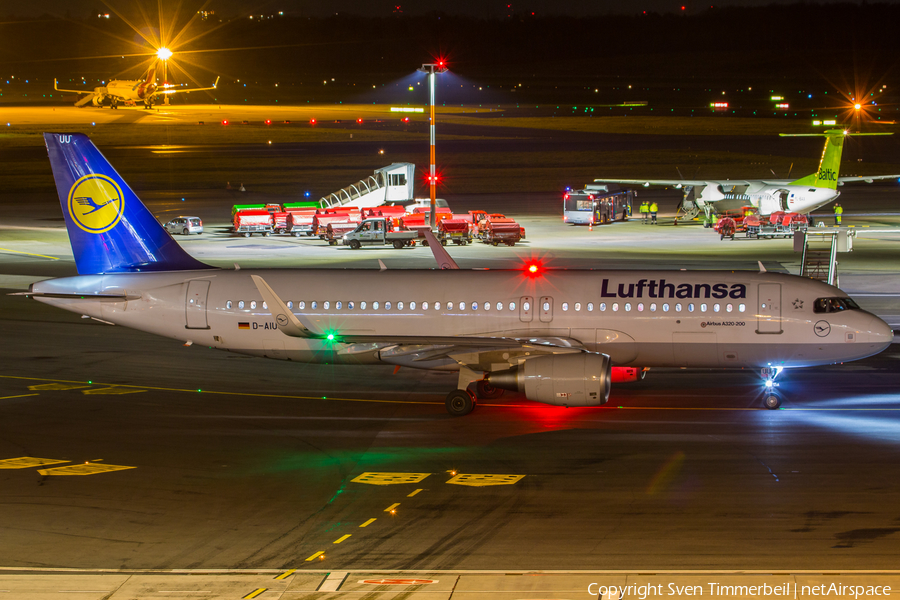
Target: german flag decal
243, 325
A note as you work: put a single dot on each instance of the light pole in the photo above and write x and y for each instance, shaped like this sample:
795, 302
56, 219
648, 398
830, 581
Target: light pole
432, 69
163, 55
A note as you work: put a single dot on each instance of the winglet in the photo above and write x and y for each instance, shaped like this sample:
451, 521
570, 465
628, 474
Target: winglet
762, 269
440, 254
287, 322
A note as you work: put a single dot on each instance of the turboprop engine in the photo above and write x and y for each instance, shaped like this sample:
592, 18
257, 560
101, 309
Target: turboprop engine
561, 379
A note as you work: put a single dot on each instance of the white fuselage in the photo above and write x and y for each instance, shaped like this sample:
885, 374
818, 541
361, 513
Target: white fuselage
766, 197
638, 318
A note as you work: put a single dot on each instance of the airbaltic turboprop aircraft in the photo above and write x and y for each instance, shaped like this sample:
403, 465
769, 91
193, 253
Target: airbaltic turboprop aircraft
561, 337
768, 195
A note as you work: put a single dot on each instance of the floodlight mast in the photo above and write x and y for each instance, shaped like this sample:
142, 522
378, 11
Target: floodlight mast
432, 69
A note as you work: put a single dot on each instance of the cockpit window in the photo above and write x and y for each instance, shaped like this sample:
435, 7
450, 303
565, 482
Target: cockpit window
832, 305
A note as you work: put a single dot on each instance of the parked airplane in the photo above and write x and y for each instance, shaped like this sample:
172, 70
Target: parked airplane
768, 195
137, 90
561, 337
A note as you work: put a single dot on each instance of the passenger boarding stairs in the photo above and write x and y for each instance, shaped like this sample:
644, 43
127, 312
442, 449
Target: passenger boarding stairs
820, 246
394, 183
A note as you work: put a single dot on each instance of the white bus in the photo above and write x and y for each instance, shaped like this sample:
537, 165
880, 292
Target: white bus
596, 204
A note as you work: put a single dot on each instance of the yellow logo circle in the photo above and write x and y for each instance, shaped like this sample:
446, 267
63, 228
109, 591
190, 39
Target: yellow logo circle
96, 203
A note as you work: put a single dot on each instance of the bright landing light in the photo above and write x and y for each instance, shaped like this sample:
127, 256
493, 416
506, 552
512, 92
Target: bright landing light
164, 54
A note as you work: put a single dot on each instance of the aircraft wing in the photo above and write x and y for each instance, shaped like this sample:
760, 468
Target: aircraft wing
866, 178
464, 349
673, 182
188, 90
55, 83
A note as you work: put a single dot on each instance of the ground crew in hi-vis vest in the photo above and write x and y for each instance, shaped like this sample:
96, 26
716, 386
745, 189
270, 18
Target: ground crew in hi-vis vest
838, 212
654, 208
645, 211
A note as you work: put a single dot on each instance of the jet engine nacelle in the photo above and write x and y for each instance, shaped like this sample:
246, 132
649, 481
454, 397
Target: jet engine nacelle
560, 379
627, 374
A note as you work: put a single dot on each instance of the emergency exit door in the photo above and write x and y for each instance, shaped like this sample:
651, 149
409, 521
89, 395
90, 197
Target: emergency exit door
546, 308
195, 304
768, 310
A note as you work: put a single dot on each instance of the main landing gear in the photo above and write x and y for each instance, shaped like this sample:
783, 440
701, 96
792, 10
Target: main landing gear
771, 400
462, 400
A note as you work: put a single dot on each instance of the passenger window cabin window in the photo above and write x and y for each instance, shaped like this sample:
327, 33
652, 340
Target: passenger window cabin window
290, 304
387, 306
665, 307
615, 306
266, 306
252, 304
526, 306
577, 306
499, 306
741, 307
424, 306
412, 306
399, 306
240, 304
301, 305
703, 307
640, 307
590, 307
474, 306
546, 306
729, 307
314, 304
487, 306
628, 306
678, 307
462, 306
338, 305
228, 304
653, 307
449, 306
716, 307
603, 307
362, 305
512, 306
350, 305
691, 307
326, 305
565, 306
374, 306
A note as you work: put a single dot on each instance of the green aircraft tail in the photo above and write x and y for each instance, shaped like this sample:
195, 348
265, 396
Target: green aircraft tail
830, 165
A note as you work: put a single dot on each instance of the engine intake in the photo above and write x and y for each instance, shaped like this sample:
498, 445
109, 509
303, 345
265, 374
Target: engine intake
563, 380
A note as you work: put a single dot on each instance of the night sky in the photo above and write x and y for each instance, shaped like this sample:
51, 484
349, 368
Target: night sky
478, 8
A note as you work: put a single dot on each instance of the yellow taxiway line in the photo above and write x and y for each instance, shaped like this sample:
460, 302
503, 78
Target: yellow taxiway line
29, 253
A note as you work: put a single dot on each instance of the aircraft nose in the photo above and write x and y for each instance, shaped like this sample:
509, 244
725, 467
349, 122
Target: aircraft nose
880, 332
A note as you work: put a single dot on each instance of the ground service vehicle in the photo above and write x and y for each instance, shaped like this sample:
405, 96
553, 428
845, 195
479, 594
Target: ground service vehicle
501, 230
248, 222
377, 232
597, 204
185, 225
454, 230
301, 220
283, 222
557, 336
322, 219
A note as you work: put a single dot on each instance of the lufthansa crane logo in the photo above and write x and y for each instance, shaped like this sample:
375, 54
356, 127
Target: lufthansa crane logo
822, 328
96, 203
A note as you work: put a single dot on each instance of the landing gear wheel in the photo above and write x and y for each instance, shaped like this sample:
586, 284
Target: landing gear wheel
772, 402
460, 402
486, 391
354, 244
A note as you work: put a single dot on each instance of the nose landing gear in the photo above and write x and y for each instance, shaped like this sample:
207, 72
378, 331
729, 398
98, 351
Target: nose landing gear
772, 400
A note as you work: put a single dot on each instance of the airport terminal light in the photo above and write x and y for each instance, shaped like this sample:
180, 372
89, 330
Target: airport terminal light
164, 54
432, 69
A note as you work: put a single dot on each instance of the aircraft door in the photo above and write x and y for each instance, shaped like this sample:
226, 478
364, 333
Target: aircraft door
546, 308
526, 309
769, 308
195, 304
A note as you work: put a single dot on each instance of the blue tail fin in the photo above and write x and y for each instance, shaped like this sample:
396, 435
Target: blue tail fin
110, 229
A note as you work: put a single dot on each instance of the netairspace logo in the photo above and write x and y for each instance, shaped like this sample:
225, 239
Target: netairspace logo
714, 589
